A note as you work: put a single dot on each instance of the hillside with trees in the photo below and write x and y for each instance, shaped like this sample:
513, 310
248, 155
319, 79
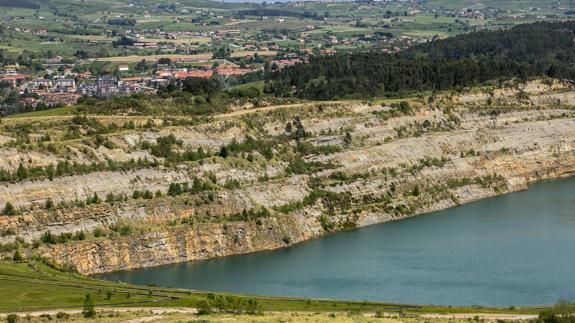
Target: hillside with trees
540, 49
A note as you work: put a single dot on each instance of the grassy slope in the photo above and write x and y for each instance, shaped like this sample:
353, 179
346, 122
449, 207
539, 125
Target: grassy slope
44, 113
34, 286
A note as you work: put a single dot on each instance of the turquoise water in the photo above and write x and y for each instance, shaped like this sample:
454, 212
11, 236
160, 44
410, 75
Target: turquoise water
517, 249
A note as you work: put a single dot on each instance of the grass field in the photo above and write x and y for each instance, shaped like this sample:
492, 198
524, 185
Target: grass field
94, 38
137, 58
339, 29
33, 286
426, 33
258, 85
44, 113
186, 40
243, 53
240, 21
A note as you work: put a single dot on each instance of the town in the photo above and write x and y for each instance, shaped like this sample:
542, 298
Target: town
62, 85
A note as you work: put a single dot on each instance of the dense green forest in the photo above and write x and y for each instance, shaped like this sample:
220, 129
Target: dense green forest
539, 49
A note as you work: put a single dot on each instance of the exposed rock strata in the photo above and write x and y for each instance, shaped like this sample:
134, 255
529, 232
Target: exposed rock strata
511, 149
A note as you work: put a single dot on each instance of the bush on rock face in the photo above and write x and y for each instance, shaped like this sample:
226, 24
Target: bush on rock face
9, 209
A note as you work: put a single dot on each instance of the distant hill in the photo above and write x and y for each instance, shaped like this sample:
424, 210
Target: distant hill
474, 4
523, 42
28, 4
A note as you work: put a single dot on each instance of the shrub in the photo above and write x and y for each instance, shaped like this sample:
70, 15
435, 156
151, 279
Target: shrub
62, 316
268, 153
252, 307
94, 200
204, 308
164, 145
347, 140
136, 195
88, 308
232, 184
64, 237
123, 229
99, 232
223, 152
22, 172
246, 215
148, 195
48, 237
7, 232
326, 224
49, 204
175, 189
402, 107
304, 149
80, 235
9, 209
17, 256
300, 166
110, 198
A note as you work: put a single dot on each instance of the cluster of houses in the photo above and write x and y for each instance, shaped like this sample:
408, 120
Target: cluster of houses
13, 77
484, 13
164, 73
61, 90
67, 90
110, 85
281, 63
496, 13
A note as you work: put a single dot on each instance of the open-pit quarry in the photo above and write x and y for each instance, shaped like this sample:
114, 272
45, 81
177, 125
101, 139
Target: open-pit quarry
102, 193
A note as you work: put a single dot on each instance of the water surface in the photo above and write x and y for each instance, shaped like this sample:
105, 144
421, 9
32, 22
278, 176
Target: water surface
517, 249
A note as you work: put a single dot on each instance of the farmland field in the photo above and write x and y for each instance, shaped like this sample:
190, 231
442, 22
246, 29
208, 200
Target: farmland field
137, 58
